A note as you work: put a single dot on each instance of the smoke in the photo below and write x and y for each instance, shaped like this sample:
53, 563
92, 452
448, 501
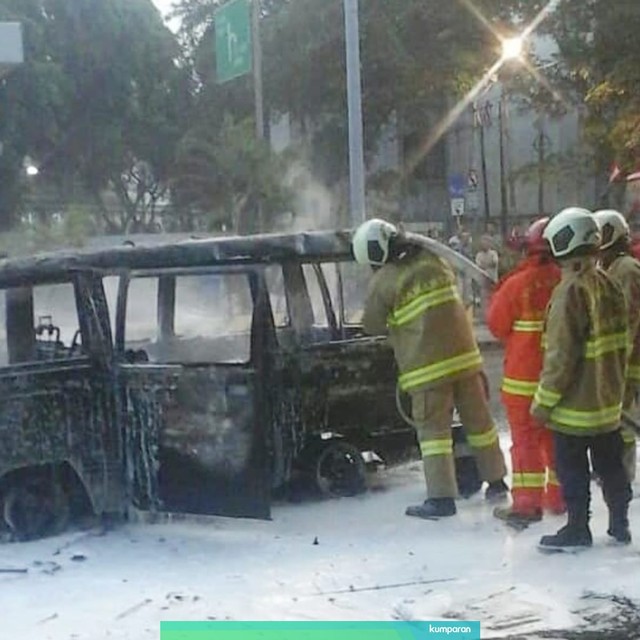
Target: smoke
316, 207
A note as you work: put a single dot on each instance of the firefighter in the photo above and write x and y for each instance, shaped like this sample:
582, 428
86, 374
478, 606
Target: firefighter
516, 317
616, 259
579, 396
413, 298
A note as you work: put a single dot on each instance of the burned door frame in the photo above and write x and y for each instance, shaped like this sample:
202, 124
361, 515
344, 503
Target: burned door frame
61, 415
148, 399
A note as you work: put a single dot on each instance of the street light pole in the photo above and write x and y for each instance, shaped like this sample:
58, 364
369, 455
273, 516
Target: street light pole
485, 178
354, 100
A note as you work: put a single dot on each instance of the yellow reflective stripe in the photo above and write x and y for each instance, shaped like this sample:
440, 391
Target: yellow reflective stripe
528, 481
575, 418
441, 369
606, 344
528, 326
628, 437
552, 478
633, 372
483, 440
519, 387
546, 398
442, 447
420, 304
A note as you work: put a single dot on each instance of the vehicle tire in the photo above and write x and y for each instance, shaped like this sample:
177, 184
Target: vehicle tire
340, 470
33, 510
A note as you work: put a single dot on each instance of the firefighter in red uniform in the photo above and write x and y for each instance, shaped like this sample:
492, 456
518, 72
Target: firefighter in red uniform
516, 317
635, 246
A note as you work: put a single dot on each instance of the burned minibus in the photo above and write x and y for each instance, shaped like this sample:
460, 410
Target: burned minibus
198, 376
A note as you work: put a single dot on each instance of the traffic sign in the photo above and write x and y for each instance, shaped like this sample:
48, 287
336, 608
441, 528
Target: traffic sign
457, 207
233, 40
456, 185
472, 180
11, 47
473, 201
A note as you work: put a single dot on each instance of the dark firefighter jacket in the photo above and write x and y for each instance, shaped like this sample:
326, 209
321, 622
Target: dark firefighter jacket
415, 301
625, 270
586, 347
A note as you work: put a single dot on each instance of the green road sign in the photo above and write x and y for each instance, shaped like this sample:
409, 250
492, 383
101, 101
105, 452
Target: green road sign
233, 40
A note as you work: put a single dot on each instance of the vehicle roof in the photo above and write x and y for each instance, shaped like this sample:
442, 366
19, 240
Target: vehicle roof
157, 253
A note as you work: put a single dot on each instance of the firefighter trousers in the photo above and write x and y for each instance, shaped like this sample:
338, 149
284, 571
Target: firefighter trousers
605, 451
433, 412
535, 485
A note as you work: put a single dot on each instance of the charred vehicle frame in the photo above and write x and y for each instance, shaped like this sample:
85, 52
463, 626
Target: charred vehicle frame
180, 422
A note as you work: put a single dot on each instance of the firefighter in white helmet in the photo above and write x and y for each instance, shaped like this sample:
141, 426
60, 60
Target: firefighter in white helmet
616, 259
581, 388
414, 300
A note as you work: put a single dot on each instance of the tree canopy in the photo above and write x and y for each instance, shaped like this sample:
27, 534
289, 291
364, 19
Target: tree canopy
119, 112
98, 103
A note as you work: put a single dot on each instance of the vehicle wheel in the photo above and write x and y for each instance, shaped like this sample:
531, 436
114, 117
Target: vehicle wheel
33, 510
340, 470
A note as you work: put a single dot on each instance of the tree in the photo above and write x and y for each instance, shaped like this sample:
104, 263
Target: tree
416, 57
100, 97
599, 63
230, 178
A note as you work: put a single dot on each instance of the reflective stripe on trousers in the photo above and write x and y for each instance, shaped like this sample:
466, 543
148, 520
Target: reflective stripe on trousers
443, 369
440, 447
528, 480
528, 326
483, 440
519, 387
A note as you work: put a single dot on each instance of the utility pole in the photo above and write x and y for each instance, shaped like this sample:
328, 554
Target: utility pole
354, 100
258, 90
257, 68
541, 149
504, 204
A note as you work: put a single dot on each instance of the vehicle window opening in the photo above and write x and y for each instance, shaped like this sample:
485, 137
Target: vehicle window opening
190, 319
324, 326
42, 323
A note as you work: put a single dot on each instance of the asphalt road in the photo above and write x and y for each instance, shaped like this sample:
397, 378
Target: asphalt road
492, 355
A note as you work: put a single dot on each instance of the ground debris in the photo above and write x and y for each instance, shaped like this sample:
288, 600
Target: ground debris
619, 620
381, 587
13, 570
47, 567
53, 616
137, 607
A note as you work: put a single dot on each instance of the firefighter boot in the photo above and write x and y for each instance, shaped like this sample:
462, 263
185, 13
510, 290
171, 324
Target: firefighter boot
517, 518
575, 534
619, 523
433, 509
496, 491
618, 506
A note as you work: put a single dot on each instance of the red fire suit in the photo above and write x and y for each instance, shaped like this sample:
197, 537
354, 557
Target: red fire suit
635, 247
516, 317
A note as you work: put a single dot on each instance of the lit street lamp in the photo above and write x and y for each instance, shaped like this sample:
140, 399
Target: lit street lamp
512, 48
32, 171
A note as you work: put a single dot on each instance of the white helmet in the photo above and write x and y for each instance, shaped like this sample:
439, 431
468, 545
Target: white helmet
613, 227
370, 242
572, 229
